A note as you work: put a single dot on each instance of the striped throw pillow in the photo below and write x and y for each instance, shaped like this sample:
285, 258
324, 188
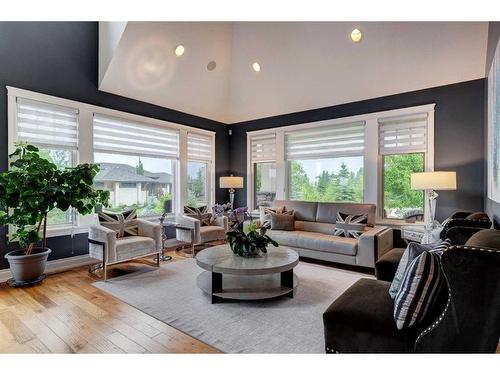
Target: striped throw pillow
419, 289
412, 251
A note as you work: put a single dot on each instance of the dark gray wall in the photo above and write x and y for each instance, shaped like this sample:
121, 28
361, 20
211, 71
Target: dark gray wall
492, 207
61, 59
459, 137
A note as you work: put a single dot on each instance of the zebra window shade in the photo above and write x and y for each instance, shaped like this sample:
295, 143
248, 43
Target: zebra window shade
121, 136
46, 125
199, 147
402, 135
326, 141
263, 148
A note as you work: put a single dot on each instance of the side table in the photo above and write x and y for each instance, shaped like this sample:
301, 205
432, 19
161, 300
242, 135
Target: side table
173, 243
418, 233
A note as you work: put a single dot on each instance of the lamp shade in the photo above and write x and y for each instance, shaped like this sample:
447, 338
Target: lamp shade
231, 182
434, 181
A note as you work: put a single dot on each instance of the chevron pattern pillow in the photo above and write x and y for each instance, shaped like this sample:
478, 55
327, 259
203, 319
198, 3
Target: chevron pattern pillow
350, 225
420, 287
124, 224
201, 213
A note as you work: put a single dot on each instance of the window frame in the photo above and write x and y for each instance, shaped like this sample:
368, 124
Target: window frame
85, 151
372, 160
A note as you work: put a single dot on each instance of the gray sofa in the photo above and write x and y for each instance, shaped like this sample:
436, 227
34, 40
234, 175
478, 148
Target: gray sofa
314, 227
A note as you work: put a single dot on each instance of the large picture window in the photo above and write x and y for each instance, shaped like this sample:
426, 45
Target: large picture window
327, 180
403, 147
137, 163
265, 183
199, 150
325, 164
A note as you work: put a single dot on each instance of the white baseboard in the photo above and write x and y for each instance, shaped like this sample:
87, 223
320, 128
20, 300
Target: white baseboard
57, 265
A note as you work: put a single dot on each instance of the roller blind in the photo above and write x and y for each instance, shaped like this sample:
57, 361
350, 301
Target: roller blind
199, 147
46, 125
326, 141
263, 147
405, 134
122, 136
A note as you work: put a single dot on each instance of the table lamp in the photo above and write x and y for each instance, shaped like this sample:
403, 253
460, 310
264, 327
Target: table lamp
231, 183
432, 181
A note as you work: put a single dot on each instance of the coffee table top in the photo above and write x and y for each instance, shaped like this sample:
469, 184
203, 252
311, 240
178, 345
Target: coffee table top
220, 259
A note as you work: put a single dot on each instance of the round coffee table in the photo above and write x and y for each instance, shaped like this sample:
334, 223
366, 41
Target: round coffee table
267, 276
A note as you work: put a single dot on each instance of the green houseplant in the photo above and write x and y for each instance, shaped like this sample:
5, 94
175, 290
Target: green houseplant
29, 190
250, 242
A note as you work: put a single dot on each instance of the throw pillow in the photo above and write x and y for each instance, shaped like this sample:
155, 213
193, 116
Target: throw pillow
124, 224
350, 225
201, 213
284, 221
478, 216
413, 250
419, 289
265, 215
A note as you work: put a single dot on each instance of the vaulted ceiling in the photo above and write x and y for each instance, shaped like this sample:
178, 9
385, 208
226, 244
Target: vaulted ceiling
304, 65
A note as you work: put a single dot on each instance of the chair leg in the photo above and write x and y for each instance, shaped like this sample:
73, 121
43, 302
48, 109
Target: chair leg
105, 270
158, 260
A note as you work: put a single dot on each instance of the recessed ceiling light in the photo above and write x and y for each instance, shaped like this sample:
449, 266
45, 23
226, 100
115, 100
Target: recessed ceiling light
179, 50
211, 66
256, 66
356, 35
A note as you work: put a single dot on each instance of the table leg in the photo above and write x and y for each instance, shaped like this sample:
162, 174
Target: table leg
287, 281
216, 286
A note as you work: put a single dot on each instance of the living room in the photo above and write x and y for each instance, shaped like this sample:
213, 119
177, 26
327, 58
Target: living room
288, 185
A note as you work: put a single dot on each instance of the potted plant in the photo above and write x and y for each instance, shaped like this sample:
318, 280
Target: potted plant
251, 242
28, 192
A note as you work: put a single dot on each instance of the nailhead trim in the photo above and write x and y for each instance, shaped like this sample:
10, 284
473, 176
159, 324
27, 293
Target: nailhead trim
330, 350
448, 303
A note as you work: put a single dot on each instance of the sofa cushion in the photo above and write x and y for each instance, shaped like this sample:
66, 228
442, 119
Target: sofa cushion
133, 247
361, 321
265, 214
315, 241
305, 211
386, 266
485, 238
212, 233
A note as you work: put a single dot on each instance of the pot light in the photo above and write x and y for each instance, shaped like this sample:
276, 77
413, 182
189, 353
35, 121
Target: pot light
256, 67
211, 66
356, 35
179, 50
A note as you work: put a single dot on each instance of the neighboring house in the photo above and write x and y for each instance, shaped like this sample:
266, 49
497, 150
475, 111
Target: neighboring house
128, 187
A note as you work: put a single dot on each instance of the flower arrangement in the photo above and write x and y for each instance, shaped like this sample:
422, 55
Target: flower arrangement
250, 243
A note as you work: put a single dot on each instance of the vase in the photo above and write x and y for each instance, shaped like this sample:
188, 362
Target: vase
251, 252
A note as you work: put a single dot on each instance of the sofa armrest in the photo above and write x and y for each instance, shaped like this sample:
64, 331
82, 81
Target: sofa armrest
222, 221
108, 237
372, 244
151, 230
189, 222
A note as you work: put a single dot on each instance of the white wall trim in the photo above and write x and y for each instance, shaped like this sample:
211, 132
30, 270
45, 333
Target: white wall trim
58, 265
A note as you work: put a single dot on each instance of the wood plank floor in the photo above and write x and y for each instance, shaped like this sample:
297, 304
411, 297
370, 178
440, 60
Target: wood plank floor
67, 314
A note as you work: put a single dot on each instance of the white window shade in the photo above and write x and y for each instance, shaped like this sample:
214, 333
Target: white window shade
263, 148
326, 141
402, 135
199, 147
46, 125
121, 136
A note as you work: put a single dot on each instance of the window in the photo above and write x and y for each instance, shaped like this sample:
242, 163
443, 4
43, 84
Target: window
54, 130
325, 164
403, 145
137, 164
327, 180
265, 183
263, 156
199, 165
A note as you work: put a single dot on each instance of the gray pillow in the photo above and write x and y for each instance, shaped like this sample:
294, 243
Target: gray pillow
413, 250
285, 221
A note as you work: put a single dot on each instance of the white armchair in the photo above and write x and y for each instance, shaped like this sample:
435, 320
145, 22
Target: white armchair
202, 234
104, 246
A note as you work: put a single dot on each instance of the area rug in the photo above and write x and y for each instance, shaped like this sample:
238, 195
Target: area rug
283, 325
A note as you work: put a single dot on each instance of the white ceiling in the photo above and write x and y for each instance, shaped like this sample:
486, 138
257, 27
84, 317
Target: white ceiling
305, 65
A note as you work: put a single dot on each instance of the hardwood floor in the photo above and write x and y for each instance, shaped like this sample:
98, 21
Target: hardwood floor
66, 314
